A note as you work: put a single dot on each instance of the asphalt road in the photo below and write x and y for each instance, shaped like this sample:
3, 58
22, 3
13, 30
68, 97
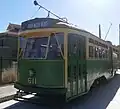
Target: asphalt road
105, 96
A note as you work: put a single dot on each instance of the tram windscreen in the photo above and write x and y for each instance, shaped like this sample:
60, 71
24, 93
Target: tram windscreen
46, 47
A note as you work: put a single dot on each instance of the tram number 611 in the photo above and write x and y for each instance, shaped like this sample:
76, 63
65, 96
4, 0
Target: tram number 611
32, 80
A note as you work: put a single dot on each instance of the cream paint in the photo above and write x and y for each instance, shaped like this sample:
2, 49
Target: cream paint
66, 57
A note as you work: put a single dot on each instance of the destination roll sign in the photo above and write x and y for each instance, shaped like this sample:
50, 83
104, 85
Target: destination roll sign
39, 23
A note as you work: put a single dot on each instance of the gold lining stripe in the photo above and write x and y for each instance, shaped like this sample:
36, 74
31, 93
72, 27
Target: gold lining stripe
65, 56
41, 32
59, 47
47, 47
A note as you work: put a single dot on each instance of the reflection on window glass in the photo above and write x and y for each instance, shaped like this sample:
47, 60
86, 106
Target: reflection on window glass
90, 51
100, 53
22, 44
103, 53
75, 49
96, 54
36, 47
49, 47
55, 50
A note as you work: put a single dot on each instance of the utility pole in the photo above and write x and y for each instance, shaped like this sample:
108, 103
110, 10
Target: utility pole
119, 43
119, 35
99, 31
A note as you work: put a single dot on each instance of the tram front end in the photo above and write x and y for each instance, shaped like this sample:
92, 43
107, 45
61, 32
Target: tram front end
41, 62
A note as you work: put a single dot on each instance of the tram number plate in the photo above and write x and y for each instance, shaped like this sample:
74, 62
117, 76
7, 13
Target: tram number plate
32, 80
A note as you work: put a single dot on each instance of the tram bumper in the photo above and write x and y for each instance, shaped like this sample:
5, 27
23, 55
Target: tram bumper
41, 90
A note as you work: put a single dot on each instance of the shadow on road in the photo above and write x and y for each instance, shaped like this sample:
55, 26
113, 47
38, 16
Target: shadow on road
98, 98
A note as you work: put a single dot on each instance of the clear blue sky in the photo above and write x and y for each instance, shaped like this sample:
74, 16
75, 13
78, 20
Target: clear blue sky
85, 13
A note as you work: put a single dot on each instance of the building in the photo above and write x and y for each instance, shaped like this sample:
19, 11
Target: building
8, 39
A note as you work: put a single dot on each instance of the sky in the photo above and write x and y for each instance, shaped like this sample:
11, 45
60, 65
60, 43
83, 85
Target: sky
87, 14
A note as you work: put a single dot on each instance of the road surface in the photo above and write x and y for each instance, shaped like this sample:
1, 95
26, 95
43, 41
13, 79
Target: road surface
7, 90
103, 97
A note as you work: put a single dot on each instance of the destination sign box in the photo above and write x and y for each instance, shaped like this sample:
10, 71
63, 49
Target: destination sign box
39, 23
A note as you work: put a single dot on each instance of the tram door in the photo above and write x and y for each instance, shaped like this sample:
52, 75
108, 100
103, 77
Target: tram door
76, 64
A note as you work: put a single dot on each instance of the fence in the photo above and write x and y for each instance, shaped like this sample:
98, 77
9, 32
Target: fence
8, 70
8, 56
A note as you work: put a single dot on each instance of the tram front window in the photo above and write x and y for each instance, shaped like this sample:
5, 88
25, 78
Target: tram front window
50, 48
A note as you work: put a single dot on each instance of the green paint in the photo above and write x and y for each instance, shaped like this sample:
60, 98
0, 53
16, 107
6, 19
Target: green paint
48, 73
97, 67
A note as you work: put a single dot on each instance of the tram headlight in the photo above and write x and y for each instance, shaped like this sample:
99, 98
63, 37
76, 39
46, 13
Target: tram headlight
31, 72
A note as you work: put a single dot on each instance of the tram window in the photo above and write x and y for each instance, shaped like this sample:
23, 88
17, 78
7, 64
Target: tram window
40, 47
91, 51
74, 48
96, 52
91, 40
100, 53
53, 49
56, 47
96, 42
36, 47
73, 44
103, 53
22, 42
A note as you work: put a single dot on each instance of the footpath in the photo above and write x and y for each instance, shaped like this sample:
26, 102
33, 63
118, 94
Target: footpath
7, 92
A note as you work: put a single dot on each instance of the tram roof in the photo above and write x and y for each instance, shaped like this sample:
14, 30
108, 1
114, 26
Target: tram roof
38, 23
51, 22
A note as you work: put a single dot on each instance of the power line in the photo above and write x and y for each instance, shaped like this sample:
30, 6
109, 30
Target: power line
35, 13
49, 12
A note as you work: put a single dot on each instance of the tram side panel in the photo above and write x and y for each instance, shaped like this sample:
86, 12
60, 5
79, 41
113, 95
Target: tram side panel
99, 63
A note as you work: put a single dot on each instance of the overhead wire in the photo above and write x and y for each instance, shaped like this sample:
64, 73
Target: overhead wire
35, 13
49, 12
